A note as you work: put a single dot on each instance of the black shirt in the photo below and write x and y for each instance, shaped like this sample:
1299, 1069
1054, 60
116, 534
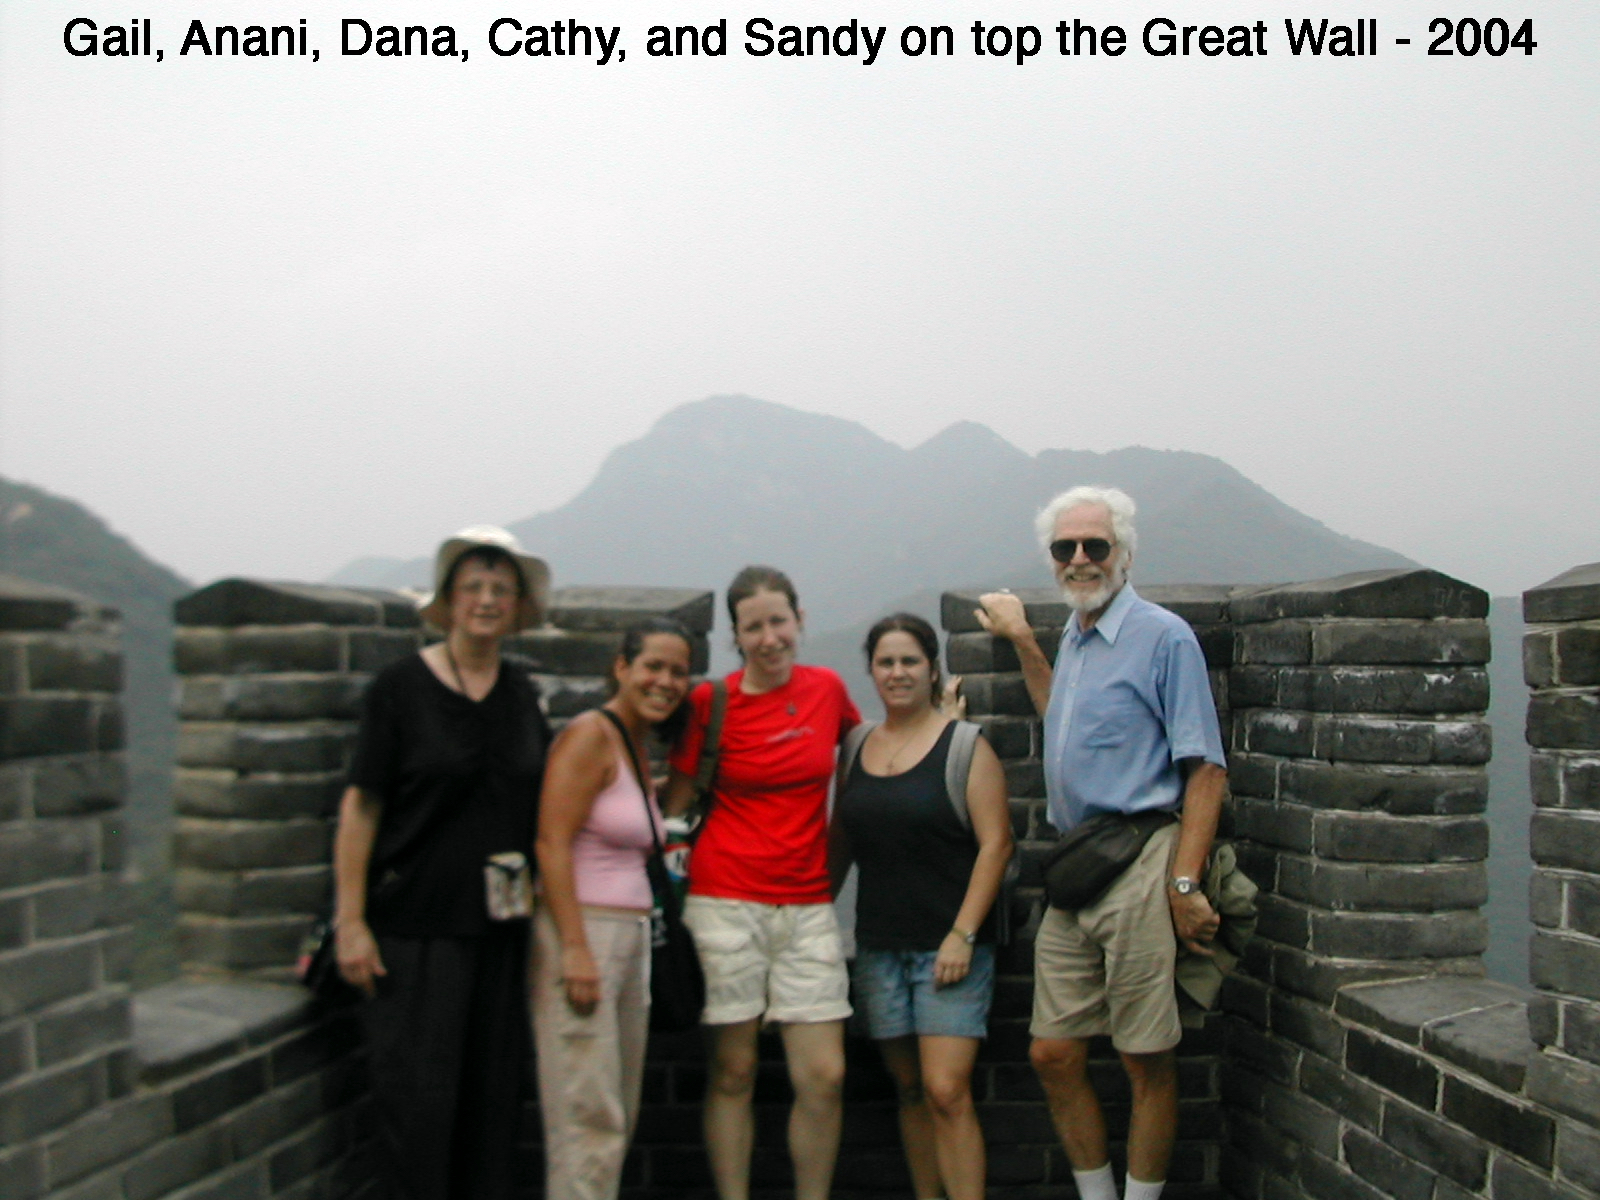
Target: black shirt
458, 781
915, 855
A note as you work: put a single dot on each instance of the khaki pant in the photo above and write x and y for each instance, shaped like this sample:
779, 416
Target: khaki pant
1109, 968
591, 1068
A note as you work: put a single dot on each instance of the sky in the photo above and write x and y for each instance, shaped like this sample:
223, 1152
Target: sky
265, 315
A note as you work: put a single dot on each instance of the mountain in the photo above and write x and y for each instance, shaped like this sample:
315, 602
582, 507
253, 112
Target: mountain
858, 521
56, 541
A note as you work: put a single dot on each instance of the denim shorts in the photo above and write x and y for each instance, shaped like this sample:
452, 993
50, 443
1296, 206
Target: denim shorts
894, 988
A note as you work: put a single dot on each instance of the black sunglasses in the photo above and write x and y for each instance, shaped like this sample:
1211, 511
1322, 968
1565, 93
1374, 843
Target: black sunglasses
1096, 550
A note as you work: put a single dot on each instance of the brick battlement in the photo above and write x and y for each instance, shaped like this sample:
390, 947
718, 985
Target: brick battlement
1359, 1052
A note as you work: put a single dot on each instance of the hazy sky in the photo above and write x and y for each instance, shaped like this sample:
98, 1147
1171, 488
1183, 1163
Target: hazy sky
265, 315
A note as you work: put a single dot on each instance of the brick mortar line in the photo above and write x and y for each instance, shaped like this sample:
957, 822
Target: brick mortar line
89, 938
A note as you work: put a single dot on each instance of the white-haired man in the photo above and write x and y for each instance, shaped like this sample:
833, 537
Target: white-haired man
1129, 727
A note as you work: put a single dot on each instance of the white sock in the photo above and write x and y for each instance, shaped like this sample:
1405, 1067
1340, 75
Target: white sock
1138, 1189
1098, 1184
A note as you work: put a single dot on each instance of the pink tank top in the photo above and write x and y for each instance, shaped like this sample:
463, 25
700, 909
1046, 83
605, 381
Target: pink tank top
609, 852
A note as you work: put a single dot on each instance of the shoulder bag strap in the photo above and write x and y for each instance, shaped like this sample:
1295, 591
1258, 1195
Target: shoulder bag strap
655, 867
638, 773
957, 766
711, 749
849, 751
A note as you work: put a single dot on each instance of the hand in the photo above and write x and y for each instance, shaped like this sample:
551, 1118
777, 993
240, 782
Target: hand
1002, 614
359, 961
1194, 920
581, 979
953, 961
952, 703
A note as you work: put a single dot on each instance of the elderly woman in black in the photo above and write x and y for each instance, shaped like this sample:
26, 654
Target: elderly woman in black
431, 876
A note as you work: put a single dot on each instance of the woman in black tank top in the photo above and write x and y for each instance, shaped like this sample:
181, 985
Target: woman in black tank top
931, 866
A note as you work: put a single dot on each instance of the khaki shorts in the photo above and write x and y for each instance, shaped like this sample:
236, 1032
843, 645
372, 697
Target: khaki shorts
1108, 968
781, 961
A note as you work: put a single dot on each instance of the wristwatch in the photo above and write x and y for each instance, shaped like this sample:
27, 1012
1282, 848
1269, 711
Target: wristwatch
1183, 885
970, 939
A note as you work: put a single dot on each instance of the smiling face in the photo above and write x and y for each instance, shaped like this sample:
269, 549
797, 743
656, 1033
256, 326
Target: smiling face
656, 681
1088, 586
483, 599
767, 632
902, 673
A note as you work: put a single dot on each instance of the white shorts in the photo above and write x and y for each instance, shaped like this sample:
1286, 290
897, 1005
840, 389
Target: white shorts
784, 962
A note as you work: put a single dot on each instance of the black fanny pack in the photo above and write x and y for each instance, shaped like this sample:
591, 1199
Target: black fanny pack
1087, 861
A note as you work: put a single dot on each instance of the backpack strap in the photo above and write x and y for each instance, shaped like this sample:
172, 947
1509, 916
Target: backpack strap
849, 751
711, 749
963, 741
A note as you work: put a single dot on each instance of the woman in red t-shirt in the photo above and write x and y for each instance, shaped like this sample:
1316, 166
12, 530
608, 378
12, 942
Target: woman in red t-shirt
758, 886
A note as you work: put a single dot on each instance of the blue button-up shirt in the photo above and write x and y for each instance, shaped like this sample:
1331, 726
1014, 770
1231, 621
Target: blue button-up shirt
1128, 702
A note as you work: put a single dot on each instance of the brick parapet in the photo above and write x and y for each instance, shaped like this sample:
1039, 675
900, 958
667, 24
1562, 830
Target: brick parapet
1561, 663
1359, 1054
1357, 765
1366, 1059
269, 683
65, 931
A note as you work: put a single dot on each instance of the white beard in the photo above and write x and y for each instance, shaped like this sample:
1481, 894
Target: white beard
1110, 581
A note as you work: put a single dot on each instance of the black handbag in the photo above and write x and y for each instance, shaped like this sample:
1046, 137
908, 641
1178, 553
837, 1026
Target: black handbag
1086, 862
677, 984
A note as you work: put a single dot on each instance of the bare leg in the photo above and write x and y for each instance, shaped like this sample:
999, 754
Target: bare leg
947, 1084
916, 1122
816, 1070
729, 1123
1154, 1125
1062, 1065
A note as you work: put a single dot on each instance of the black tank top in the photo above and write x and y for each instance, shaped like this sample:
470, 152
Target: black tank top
915, 855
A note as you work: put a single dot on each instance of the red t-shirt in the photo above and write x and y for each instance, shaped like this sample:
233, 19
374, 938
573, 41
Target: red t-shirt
767, 836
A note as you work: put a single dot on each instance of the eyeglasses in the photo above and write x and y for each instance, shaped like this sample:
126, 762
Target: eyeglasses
1096, 550
495, 589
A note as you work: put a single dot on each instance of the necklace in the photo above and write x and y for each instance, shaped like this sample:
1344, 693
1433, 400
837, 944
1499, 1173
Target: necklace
455, 669
904, 742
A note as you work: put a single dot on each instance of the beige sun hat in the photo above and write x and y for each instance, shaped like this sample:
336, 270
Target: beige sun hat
435, 608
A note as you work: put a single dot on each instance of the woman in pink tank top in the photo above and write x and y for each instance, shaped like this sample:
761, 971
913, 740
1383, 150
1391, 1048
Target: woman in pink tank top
591, 960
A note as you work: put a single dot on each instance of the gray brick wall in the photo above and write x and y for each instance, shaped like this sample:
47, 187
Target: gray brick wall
270, 678
1357, 768
65, 937
1360, 1055
1561, 660
1367, 1057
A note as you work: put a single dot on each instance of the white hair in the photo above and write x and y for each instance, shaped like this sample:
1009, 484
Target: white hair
1114, 500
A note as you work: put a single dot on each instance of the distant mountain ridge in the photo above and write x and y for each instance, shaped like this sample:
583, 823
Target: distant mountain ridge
858, 521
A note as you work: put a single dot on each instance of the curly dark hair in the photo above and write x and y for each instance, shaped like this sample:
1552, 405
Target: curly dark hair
632, 646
